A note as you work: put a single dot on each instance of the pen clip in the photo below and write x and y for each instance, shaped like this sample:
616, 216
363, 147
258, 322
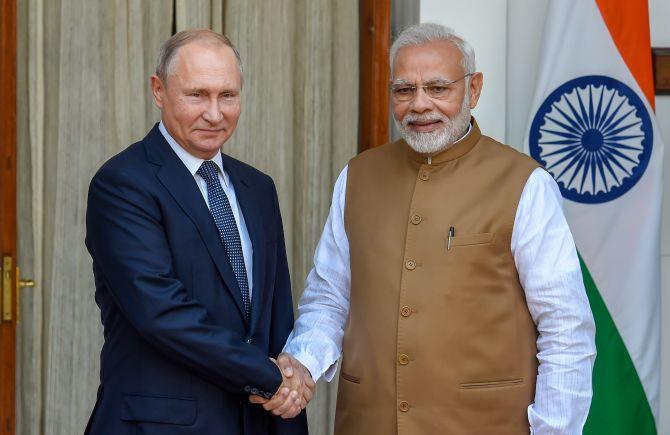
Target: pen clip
452, 231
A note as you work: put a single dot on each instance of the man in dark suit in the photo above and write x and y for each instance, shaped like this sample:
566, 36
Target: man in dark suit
190, 266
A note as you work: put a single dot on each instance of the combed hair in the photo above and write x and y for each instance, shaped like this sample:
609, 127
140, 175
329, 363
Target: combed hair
423, 33
168, 50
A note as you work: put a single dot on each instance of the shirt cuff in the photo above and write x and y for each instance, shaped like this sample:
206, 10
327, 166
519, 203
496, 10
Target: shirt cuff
310, 363
330, 372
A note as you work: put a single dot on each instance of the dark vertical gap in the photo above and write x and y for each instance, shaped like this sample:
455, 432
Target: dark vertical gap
174, 17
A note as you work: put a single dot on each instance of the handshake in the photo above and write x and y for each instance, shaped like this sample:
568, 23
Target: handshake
295, 392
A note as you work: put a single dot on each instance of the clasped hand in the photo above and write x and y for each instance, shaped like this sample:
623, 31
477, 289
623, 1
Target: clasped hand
295, 392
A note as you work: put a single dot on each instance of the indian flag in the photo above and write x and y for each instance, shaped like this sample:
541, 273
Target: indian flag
592, 127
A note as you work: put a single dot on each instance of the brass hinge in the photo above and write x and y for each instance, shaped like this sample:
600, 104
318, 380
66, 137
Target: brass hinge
7, 288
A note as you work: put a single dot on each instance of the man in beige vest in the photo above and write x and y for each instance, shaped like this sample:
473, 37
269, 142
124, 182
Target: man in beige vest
446, 275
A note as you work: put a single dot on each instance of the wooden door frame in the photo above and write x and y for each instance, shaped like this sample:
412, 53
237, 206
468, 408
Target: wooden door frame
8, 209
375, 41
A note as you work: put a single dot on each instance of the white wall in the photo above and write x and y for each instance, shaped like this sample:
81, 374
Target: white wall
506, 35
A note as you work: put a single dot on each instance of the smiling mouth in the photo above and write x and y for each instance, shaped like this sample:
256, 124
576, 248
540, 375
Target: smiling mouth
425, 126
423, 123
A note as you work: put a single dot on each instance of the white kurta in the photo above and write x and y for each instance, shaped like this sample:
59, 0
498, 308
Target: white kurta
549, 271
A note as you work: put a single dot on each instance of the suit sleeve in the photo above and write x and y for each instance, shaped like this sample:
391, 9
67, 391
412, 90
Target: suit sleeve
132, 257
282, 320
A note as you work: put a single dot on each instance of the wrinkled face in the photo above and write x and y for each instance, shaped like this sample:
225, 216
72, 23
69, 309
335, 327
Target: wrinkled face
200, 103
430, 125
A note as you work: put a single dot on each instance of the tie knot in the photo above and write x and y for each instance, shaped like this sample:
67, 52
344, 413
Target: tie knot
208, 170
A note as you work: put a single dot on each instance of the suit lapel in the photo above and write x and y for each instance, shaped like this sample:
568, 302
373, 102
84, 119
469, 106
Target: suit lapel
253, 220
179, 182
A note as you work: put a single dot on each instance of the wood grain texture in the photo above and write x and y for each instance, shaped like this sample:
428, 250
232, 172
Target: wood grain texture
661, 59
8, 23
375, 40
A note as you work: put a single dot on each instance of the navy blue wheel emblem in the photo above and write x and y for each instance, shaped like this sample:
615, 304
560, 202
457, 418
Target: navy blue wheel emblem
594, 136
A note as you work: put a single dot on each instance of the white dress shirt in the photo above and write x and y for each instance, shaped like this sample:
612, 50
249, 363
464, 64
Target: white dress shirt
549, 271
193, 164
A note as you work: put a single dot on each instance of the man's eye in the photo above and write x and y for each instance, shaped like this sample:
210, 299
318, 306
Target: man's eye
437, 89
194, 94
405, 90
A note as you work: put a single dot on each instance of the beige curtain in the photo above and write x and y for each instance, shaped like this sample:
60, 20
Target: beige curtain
84, 72
300, 119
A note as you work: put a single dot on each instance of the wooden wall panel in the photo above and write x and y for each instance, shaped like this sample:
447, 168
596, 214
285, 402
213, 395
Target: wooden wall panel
8, 16
661, 59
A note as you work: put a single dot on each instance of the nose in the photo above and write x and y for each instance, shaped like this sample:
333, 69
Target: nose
212, 113
421, 101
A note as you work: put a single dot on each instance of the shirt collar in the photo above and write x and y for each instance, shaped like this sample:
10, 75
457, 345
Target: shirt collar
192, 162
466, 133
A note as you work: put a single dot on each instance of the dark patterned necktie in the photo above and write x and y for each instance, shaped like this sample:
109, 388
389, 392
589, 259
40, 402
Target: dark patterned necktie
225, 222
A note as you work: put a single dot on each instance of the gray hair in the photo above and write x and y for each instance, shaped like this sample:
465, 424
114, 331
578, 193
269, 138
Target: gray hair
423, 33
168, 50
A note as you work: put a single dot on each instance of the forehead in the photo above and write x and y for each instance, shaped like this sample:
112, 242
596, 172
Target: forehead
426, 61
208, 62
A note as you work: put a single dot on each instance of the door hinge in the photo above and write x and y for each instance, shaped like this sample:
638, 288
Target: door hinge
7, 288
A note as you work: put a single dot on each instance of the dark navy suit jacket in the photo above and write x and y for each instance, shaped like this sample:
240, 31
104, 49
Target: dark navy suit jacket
179, 357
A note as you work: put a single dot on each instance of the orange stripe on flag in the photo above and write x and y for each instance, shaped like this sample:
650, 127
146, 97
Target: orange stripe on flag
628, 23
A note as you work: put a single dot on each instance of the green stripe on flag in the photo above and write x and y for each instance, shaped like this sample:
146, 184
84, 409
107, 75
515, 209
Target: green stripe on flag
620, 405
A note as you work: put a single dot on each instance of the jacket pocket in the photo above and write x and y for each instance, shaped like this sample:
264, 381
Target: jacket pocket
491, 384
350, 378
159, 409
469, 239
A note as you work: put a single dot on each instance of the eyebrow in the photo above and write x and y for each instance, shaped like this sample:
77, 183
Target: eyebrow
431, 80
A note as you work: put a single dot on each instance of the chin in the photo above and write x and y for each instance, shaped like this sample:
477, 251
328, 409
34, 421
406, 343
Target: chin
206, 149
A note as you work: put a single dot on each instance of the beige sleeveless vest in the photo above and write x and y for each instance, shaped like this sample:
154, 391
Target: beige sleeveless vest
439, 338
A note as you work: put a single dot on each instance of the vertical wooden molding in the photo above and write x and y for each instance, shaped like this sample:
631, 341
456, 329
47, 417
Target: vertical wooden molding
375, 40
8, 19
661, 59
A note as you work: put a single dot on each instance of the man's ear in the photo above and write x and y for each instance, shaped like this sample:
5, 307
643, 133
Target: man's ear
476, 83
157, 90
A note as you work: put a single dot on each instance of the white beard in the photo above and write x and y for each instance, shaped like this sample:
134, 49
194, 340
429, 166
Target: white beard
433, 142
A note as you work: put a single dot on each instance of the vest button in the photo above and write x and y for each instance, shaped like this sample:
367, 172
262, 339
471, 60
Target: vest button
410, 264
403, 406
405, 311
425, 175
416, 219
403, 359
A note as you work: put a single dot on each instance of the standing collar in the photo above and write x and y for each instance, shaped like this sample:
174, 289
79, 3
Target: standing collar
192, 162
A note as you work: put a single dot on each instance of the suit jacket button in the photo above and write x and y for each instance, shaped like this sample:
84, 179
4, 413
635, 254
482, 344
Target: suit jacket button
403, 359
405, 311
254, 391
248, 340
403, 406
247, 389
268, 395
410, 264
